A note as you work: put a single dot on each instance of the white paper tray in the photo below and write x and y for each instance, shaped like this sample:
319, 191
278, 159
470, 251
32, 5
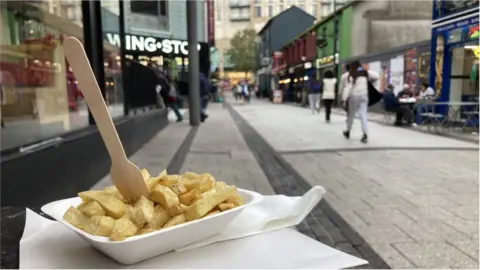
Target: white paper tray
138, 248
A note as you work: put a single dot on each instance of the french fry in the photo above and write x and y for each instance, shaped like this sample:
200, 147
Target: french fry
211, 213
165, 197
201, 207
190, 175
100, 225
114, 192
175, 221
122, 229
146, 175
112, 205
236, 200
76, 218
142, 212
226, 206
169, 180
189, 197
91, 209
178, 209
203, 184
152, 181
160, 217
179, 188
145, 231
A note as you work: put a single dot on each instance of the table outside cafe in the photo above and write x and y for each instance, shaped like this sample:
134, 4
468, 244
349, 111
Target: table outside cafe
443, 117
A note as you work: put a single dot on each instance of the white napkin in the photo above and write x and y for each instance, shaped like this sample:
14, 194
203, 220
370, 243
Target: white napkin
50, 245
272, 213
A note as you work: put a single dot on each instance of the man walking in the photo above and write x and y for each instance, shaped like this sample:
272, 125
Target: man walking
204, 91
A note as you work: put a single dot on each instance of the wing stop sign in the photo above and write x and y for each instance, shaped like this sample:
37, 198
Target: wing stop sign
151, 44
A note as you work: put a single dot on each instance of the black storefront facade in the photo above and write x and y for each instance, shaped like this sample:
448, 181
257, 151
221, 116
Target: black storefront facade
164, 54
59, 166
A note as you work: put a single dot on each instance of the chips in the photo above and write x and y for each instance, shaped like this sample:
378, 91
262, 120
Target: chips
173, 200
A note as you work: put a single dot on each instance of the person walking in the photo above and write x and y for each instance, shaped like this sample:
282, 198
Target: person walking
356, 94
204, 92
173, 98
314, 90
329, 83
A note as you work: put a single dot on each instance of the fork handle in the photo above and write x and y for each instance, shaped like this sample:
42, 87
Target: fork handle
77, 58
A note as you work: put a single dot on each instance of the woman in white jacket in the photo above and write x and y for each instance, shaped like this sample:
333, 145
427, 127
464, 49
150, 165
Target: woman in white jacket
329, 85
356, 95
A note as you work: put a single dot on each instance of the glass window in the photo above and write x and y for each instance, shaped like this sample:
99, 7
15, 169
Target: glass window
314, 9
218, 14
258, 12
111, 62
464, 72
324, 11
270, 11
40, 98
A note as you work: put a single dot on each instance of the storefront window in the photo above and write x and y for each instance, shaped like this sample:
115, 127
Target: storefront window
111, 54
464, 74
40, 98
439, 64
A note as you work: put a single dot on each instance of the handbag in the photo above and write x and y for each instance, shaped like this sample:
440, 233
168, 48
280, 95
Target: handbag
374, 95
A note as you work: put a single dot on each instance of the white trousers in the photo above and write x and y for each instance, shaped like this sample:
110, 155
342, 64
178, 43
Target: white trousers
314, 101
358, 104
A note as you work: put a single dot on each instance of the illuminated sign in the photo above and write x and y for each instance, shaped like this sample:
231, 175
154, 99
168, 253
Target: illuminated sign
324, 61
474, 32
151, 44
476, 51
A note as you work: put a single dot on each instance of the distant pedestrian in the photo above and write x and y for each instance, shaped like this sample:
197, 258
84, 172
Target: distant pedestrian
355, 97
204, 92
314, 91
329, 83
173, 98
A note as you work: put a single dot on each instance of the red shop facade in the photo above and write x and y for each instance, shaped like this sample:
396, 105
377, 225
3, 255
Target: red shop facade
294, 64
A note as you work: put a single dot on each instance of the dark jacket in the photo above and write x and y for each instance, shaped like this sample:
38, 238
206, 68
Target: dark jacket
390, 101
204, 85
314, 87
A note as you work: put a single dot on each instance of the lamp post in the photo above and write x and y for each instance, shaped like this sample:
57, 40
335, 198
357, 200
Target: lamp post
193, 64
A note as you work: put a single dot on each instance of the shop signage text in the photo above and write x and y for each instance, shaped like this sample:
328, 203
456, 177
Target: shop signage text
151, 44
459, 24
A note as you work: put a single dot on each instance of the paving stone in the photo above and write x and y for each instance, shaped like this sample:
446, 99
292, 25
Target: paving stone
395, 259
428, 230
467, 212
384, 216
383, 234
468, 247
436, 255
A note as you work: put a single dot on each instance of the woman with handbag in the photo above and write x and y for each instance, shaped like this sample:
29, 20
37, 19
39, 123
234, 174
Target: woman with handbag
357, 94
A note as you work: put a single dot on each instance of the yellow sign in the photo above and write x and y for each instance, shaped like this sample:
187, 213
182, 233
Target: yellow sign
324, 60
476, 51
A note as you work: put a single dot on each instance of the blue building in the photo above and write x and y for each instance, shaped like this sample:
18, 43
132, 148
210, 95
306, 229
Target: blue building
455, 50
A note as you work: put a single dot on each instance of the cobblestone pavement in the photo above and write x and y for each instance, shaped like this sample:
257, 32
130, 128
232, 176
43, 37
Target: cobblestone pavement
412, 196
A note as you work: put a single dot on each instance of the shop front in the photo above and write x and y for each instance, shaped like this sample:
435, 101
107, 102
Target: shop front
455, 38
325, 63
